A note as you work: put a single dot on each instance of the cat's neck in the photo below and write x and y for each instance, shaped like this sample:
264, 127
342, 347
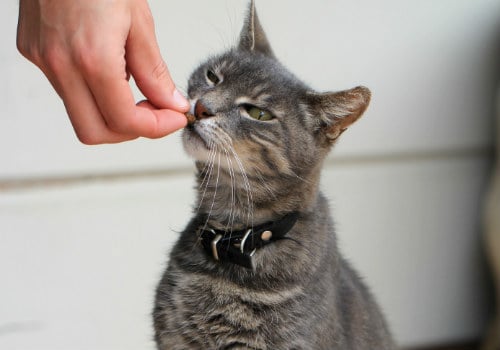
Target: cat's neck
233, 200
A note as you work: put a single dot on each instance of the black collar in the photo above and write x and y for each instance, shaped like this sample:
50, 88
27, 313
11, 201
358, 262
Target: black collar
239, 247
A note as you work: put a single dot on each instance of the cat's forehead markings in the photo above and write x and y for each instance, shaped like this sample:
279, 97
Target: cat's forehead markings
218, 67
243, 100
256, 98
263, 98
259, 92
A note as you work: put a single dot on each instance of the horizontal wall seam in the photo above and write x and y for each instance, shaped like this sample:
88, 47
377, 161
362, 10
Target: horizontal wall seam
27, 183
411, 156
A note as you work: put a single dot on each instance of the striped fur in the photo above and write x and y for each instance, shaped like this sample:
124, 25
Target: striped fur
302, 294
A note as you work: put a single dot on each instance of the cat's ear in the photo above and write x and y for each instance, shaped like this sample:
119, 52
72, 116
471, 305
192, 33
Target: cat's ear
338, 110
252, 37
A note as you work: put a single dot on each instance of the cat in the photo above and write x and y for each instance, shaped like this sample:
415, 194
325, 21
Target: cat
257, 267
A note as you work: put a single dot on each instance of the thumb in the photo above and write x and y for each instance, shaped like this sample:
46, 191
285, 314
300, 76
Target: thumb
146, 65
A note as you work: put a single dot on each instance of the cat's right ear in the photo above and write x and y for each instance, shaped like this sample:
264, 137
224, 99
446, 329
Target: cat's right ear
338, 110
252, 37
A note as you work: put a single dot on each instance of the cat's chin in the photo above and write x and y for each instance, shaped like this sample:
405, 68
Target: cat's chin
195, 146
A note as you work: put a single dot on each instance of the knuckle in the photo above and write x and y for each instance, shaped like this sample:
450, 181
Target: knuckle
29, 51
86, 62
87, 59
23, 48
53, 58
89, 139
90, 134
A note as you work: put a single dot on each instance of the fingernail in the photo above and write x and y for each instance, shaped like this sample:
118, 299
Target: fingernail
180, 100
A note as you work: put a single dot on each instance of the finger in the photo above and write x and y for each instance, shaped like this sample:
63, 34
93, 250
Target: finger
88, 122
54, 61
168, 120
147, 66
28, 30
84, 114
115, 101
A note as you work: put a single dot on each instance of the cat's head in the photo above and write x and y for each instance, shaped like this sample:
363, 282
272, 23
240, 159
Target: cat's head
254, 115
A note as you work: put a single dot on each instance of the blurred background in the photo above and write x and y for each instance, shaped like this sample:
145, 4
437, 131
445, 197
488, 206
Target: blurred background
85, 231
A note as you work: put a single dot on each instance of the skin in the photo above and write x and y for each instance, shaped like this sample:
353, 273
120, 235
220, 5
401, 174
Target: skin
88, 49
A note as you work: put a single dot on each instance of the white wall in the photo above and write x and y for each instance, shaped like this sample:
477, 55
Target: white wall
84, 230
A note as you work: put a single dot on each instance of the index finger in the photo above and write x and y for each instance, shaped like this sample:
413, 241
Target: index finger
115, 100
147, 66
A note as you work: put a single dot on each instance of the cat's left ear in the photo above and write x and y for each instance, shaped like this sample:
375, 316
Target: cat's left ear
252, 37
338, 110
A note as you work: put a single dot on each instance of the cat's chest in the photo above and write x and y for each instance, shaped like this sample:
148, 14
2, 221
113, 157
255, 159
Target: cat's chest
223, 313
217, 315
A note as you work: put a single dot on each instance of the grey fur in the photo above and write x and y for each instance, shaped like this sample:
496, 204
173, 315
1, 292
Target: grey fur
302, 294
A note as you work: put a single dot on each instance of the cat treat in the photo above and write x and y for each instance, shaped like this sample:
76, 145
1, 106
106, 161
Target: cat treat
190, 118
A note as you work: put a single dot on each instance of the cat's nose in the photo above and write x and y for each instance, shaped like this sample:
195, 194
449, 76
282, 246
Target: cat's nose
201, 111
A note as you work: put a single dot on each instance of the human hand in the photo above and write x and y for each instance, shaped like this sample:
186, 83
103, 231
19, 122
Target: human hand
88, 49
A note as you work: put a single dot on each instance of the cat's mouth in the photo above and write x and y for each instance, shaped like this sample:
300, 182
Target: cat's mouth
203, 138
193, 137
206, 142
191, 134
196, 143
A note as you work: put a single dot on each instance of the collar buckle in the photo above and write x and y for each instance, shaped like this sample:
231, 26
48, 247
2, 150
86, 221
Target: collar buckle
236, 253
214, 243
244, 240
239, 247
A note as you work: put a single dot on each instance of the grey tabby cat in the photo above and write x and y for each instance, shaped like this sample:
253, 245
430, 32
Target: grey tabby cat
258, 266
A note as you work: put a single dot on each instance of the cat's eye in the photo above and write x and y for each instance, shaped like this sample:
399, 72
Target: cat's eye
212, 77
259, 114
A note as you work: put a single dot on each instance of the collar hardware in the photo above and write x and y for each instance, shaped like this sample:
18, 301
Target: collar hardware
244, 240
239, 247
214, 243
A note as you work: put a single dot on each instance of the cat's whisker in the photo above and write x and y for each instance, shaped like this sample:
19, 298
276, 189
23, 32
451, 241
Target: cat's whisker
208, 169
264, 184
215, 193
208, 176
231, 217
226, 139
224, 143
210, 173
211, 156
246, 184
309, 182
